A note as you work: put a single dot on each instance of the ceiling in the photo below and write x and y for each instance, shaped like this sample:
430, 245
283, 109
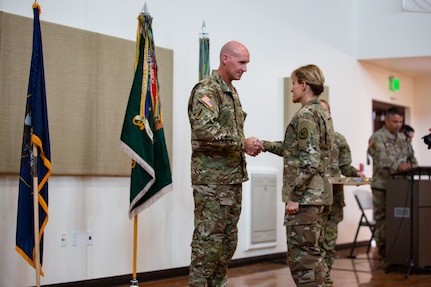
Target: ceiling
414, 66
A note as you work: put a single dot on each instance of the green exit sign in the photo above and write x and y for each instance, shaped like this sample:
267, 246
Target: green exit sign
394, 84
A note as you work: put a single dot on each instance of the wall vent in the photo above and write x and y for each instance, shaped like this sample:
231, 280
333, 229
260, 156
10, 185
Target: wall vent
263, 208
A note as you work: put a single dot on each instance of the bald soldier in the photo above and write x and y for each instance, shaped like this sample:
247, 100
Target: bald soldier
218, 166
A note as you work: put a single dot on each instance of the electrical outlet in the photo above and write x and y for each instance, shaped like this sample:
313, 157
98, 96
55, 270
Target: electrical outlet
90, 238
63, 240
74, 238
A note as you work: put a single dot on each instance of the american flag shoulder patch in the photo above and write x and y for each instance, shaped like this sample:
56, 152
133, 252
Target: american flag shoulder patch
208, 101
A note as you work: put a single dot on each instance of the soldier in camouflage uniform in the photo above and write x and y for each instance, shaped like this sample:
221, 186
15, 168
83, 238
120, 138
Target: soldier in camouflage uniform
341, 161
391, 153
307, 190
218, 167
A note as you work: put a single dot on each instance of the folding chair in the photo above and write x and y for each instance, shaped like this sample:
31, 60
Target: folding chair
364, 199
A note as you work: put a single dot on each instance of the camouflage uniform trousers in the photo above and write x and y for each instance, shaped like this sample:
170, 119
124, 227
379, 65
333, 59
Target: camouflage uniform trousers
305, 235
217, 211
331, 228
379, 207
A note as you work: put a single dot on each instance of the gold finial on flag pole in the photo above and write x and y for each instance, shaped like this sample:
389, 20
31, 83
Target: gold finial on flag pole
36, 5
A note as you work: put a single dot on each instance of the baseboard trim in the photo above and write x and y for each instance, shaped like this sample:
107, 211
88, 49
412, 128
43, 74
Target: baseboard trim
123, 280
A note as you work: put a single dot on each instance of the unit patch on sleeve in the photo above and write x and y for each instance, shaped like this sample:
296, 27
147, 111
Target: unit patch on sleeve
303, 133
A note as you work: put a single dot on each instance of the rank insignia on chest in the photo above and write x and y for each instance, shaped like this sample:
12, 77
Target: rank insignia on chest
208, 101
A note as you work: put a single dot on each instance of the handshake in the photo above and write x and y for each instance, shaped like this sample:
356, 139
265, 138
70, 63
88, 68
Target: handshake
253, 146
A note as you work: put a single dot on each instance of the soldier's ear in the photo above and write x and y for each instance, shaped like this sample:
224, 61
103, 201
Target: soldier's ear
224, 58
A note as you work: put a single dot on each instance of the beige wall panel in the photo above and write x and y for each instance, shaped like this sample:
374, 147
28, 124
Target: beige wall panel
116, 70
14, 74
88, 78
71, 73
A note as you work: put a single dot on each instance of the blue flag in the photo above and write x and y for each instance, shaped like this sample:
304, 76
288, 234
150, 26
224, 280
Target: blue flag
142, 136
36, 133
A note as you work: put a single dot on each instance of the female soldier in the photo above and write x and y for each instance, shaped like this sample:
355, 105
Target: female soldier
307, 190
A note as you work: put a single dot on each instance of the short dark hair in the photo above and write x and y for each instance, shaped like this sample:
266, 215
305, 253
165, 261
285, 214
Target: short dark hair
395, 111
406, 129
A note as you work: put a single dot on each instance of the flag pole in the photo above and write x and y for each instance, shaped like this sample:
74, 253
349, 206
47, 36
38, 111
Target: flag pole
36, 216
204, 50
134, 280
142, 135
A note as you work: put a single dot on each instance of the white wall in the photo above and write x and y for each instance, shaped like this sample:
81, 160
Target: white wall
422, 119
384, 30
281, 35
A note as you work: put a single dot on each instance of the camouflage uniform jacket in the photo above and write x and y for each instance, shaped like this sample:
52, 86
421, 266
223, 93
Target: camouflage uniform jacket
217, 133
341, 158
341, 161
306, 150
388, 151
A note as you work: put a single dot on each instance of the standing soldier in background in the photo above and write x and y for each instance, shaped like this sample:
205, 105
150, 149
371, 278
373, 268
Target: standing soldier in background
307, 190
391, 153
341, 161
218, 166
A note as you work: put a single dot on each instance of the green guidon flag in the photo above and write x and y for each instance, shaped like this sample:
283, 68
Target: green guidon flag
204, 53
142, 136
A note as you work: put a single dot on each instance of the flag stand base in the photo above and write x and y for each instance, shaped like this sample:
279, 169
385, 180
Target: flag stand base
133, 282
